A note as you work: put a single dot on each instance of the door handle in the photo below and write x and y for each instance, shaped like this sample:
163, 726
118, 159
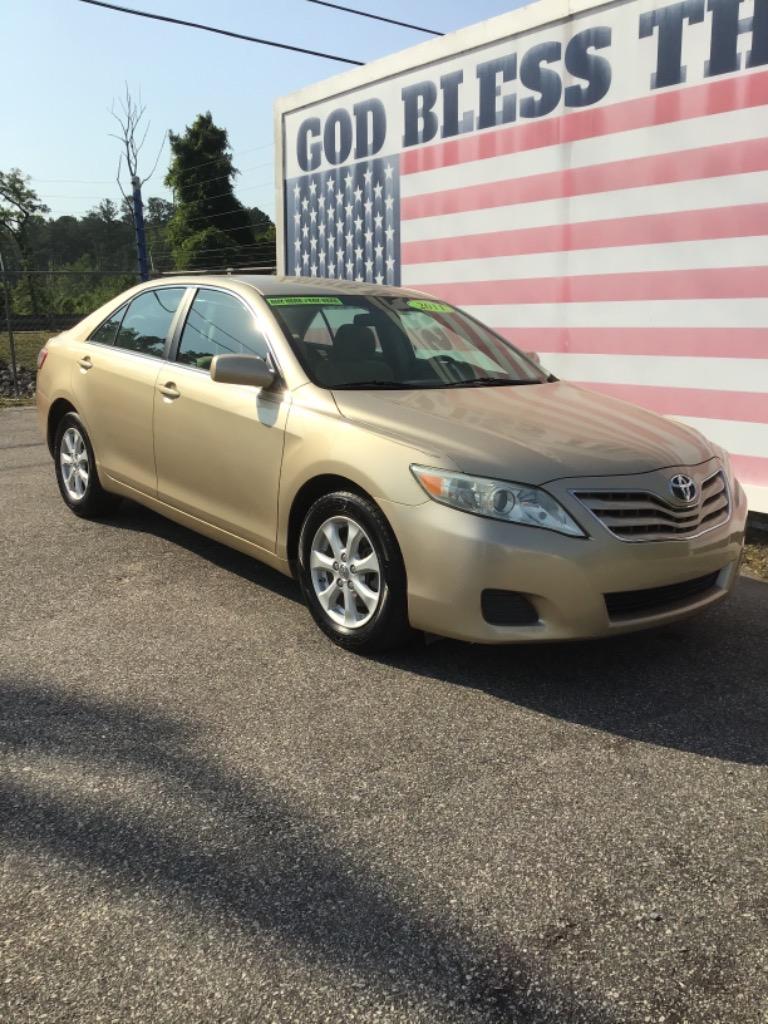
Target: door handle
169, 390
85, 363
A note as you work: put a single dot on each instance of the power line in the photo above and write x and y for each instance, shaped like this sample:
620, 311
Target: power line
377, 17
220, 31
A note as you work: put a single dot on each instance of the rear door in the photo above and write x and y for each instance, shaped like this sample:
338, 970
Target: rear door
219, 447
114, 385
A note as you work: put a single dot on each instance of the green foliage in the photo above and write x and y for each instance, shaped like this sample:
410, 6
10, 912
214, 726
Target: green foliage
201, 175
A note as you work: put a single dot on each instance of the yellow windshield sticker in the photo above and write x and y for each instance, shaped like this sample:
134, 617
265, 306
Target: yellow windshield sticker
305, 300
427, 306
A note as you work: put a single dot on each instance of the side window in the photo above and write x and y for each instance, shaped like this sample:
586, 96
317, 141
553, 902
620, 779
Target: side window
148, 320
106, 333
219, 323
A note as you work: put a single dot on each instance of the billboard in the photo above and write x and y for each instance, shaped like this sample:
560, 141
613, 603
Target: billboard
592, 185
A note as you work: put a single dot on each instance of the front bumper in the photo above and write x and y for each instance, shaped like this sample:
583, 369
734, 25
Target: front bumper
451, 557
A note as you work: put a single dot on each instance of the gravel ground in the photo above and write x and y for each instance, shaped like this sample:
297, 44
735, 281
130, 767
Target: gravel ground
209, 814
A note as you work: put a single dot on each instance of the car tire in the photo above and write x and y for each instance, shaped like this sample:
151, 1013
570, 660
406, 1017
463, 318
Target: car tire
76, 472
352, 574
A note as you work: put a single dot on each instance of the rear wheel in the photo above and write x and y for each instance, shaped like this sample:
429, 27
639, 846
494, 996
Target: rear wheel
352, 574
76, 472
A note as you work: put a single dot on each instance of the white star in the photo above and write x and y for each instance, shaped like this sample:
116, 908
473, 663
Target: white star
339, 228
350, 268
390, 233
297, 245
305, 257
339, 197
390, 263
379, 251
378, 220
358, 253
348, 180
360, 279
368, 237
321, 202
348, 210
368, 266
389, 202
368, 206
296, 192
329, 184
377, 190
358, 224
321, 230
322, 259
312, 188
313, 215
358, 194
349, 238
331, 270
379, 279
313, 270
313, 244
297, 218
388, 172
305, 231
368, 175
304, 203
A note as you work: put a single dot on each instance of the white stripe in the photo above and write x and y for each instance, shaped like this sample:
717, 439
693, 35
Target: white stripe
703, 194
712, 130
659, 312
738, 252
736, 437
706, 372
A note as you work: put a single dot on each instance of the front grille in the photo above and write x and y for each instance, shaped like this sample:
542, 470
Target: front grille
630, 602
642, 515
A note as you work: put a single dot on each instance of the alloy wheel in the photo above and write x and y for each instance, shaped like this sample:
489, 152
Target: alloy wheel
345, 572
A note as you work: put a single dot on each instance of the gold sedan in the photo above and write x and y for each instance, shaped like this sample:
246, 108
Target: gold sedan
411, 468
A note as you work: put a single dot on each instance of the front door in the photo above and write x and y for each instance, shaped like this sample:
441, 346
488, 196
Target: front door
114, 385
219, 447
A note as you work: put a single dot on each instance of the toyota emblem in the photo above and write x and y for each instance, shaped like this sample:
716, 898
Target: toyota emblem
682, 488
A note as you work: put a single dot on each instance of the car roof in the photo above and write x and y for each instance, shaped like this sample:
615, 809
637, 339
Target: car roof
268, 284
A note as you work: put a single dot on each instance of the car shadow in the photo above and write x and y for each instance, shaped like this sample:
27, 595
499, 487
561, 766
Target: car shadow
256, 863
699, 686
139, 519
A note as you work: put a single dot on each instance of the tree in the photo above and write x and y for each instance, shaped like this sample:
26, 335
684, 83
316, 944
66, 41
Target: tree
20, 208
133, 135
210, 226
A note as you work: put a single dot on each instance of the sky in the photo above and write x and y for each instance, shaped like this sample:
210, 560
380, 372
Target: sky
65, 62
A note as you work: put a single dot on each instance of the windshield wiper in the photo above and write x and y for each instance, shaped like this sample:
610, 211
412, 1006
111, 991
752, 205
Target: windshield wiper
392, 385
476, 382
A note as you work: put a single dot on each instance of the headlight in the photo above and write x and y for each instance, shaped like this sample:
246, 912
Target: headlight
496, 499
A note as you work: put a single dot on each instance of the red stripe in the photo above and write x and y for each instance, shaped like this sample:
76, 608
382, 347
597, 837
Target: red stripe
710, 283
715, 97
730, 342
751, 469
746, 406
685, 226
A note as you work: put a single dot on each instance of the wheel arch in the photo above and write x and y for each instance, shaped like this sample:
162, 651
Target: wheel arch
56, 414
306, 496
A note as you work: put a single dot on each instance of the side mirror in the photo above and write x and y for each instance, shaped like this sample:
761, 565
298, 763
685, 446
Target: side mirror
249, 370
534, 357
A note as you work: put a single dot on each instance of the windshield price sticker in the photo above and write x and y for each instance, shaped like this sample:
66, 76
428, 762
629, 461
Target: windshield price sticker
305, 300
427, 306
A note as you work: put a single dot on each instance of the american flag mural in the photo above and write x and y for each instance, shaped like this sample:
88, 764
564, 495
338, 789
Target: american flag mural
345, 223
624, 239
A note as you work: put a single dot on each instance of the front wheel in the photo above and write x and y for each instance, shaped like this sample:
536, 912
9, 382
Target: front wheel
352, 574
76, 472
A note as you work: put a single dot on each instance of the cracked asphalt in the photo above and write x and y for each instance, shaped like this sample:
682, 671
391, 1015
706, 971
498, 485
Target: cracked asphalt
210, 814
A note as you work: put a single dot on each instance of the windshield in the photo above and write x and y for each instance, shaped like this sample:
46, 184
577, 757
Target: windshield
357, 342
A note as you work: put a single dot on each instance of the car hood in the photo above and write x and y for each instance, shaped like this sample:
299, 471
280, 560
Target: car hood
530, 434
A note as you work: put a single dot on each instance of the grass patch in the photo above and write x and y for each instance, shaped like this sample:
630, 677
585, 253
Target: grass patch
756, 552
28, 344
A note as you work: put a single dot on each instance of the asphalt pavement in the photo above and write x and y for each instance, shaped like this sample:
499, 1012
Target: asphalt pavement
208, 813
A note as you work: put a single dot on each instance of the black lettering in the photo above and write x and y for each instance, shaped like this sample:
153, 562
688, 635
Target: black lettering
337, 150
758, 55
669, 22
488, 73
370, 127
449, 85
308, 156
581, 63
542, 80
418, 113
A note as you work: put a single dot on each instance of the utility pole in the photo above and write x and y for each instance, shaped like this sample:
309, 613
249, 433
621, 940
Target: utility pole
138, 220
11, 341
